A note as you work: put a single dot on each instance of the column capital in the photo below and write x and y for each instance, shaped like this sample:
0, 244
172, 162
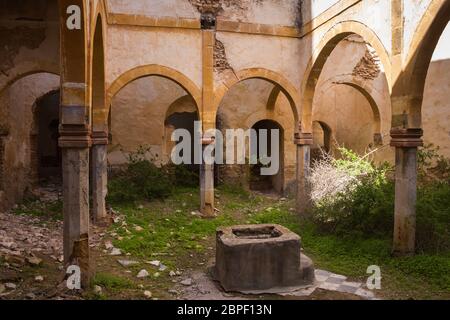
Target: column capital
406, 138
74, 136
100, 138
303, 139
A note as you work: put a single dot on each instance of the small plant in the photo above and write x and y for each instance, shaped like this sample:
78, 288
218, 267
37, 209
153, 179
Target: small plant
142, 179
354, 197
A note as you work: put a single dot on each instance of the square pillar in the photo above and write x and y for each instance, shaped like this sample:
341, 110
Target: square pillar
207, 208
99, 176
303, 196
75, 142
406, 142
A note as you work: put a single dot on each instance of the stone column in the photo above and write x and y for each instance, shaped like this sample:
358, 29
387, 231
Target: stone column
75, 142
303, 142
406, 142
99, 176
207, 185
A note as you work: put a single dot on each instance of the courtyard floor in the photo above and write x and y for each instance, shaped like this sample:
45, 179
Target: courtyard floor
163, 250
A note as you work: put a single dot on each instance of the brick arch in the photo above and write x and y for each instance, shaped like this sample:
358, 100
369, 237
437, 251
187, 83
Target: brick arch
372, 96
320, 55
410, 85
153, 70
257, 73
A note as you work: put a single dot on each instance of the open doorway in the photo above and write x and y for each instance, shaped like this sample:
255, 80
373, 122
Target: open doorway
273, 183
46, 153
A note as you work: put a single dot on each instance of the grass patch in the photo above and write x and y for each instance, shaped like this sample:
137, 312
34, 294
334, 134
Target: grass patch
176, 236
49, 210
112, 282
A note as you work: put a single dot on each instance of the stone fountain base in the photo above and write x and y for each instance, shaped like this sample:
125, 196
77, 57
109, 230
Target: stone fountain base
256, 259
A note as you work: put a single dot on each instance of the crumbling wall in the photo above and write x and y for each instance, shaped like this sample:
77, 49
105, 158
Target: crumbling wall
368, 68
220, 58
29, 33
343, 108
17, 103
13, 40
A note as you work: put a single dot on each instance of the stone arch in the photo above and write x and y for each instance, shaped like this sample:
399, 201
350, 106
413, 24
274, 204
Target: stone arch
153, 70
98, 72
24, 71
320, 55
371, 95
327, 134
258, 73
409, 87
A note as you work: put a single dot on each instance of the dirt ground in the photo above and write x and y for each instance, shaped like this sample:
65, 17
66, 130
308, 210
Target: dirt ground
31, 267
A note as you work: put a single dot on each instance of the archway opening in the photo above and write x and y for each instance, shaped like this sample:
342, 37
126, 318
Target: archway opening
182, 115
28, 150
242, 109
343, 98
144, 114
258, 181
48, 153
322, 140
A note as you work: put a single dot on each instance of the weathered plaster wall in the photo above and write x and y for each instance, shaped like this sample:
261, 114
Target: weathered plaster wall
436, 106
131, 47
313, 8
273, 12
16, 104
252, 51
138, 113
30, 39
414, 11
158, 8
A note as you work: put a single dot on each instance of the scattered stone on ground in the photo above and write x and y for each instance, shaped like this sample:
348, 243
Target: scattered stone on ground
154, 263
115, 252
127, 263
98, 290
143, 274
108, 245
39, 278
187, 282
148, 294
25, 236
10, 286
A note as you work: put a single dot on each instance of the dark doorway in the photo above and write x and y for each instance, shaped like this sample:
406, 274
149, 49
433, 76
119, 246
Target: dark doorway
48, 153
274, 183
182, 120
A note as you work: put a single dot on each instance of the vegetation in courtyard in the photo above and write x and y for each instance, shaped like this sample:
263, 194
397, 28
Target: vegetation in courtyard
45, 209
142, 179
349, 230
168, 231
355, 197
